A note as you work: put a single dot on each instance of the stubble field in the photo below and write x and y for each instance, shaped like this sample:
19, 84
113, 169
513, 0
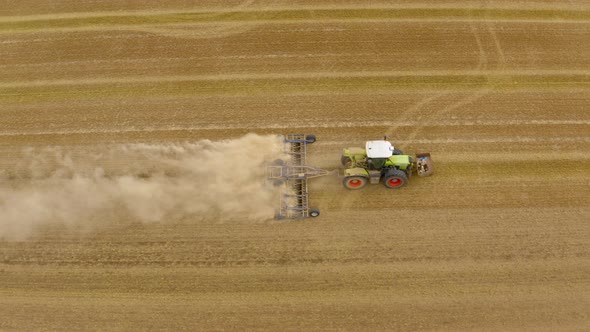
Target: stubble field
498, 92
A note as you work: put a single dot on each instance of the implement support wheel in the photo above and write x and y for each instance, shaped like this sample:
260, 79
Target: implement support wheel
314, 213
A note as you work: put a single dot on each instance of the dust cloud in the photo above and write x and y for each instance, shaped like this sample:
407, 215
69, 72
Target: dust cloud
85, 187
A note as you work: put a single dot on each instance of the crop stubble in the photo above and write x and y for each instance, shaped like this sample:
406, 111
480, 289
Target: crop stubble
498, 239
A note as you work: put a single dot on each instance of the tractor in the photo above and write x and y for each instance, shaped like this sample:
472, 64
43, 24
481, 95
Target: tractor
379, 162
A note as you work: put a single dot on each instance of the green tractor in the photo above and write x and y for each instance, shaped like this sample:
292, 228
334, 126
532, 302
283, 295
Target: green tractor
381, 161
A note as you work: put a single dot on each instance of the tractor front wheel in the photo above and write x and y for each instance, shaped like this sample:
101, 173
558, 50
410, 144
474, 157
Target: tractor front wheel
355, 182
395, 179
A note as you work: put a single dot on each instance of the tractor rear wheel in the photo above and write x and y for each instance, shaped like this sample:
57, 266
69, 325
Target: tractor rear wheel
395, 179
355, 182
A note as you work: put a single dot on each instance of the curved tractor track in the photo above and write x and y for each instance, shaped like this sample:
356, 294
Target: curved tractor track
498, 239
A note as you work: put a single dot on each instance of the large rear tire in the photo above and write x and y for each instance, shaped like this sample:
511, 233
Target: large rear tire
395, 179
355, 182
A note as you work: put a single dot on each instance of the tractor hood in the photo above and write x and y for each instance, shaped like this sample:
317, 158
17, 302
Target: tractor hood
400, 160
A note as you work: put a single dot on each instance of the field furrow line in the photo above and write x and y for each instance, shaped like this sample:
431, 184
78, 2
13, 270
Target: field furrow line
285, 84
109, 21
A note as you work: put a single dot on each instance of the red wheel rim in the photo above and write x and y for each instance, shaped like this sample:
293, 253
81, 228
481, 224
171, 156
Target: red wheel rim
355, 183
395, 182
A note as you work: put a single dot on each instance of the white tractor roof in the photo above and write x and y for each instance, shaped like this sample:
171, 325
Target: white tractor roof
379, 149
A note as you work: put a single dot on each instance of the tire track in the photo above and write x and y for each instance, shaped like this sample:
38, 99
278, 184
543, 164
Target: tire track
481, 66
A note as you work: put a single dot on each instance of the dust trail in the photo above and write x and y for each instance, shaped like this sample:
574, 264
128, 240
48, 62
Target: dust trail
205, 180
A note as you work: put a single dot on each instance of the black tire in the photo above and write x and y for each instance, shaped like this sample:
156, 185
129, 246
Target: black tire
355, 182
395, 179
397, 152
346, 161
310, 139
314, 213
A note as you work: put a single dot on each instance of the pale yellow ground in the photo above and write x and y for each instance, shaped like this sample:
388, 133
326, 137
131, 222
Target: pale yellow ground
499, 94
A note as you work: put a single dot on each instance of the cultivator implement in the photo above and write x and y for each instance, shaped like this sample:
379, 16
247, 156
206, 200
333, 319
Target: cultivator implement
294, 202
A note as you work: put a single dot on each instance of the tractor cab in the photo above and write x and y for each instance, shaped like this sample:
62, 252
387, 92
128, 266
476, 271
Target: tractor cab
379, 149
378, 152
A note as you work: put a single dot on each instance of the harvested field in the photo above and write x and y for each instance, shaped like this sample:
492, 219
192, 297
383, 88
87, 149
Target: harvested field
103, 102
